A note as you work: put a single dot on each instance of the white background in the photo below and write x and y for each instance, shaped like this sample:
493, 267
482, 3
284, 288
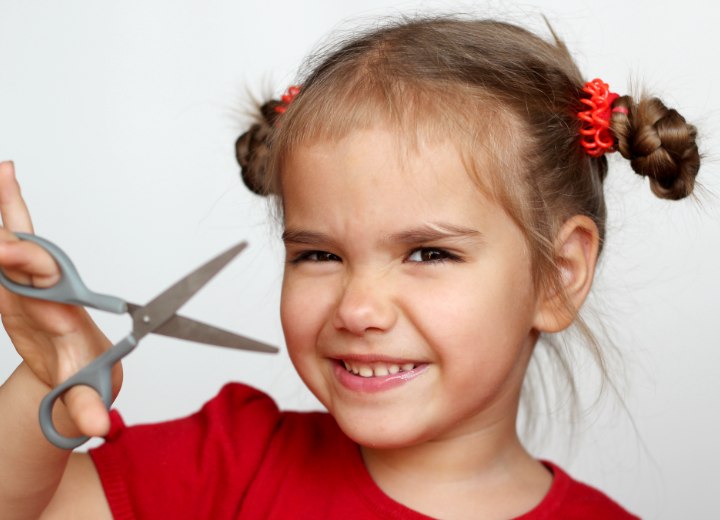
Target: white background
121, 118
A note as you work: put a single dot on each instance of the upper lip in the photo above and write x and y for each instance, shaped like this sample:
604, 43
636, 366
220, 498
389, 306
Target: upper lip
376, 358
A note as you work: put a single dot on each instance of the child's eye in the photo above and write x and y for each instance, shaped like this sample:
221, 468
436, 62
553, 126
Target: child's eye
315, 256
431, 255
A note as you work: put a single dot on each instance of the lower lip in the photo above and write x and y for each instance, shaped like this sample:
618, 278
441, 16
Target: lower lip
375, 384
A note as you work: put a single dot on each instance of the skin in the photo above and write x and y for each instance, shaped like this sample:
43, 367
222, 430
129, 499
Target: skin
433, 273
38, 480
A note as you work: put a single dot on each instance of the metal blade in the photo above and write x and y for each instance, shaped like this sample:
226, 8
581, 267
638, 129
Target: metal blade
191, 330
150, 317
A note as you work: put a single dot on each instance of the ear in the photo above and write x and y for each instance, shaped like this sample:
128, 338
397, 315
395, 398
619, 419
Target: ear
576, 251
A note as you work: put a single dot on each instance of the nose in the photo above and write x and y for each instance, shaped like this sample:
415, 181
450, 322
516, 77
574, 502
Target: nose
365, 305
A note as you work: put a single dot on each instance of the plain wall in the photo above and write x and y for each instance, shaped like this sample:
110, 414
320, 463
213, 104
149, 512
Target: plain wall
121, 118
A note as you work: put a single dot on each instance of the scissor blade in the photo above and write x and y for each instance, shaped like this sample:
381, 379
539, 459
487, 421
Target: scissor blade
192, 330
150, 317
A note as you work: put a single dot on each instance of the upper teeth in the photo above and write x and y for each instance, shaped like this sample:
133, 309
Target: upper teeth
376, 369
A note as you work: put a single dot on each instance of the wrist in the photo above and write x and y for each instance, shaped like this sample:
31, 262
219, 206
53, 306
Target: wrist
27, 391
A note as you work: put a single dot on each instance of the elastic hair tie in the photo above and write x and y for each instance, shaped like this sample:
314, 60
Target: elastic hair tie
595, 135
620, 110
287, 98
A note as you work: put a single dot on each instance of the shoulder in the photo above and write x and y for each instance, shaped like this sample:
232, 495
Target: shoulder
228, 413
238, 414
238, 406
571, 499
169, 466
236, 403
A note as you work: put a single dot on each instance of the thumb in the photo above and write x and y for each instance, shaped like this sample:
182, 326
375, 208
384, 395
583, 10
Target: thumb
87, 411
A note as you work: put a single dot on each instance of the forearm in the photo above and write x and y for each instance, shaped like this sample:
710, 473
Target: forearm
30, 467
55, 341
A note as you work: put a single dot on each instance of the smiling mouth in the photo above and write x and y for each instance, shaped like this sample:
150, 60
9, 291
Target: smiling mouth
376, 369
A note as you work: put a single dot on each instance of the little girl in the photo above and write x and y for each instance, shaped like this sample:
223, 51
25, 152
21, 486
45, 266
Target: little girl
440, 183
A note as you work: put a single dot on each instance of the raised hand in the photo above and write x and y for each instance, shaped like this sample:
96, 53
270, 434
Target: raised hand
55, 340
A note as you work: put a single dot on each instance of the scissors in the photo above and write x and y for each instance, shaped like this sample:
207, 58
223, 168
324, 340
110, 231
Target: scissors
157, 317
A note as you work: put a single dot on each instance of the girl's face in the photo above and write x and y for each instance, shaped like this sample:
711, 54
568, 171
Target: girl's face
408, 305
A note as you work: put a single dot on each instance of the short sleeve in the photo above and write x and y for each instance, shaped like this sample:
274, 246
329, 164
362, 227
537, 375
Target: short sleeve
199, 466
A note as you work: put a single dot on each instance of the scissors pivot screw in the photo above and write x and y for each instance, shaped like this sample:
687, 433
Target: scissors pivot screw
146, 319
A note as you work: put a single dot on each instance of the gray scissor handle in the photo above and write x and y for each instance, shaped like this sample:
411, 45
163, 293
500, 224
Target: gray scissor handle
96, 375
70, 288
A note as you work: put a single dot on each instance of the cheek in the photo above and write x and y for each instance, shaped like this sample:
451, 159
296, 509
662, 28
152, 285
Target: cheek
293, 326
305, 308
297, 318
480, 319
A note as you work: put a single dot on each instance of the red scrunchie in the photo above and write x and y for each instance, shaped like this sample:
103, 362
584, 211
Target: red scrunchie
287, 98
595, 135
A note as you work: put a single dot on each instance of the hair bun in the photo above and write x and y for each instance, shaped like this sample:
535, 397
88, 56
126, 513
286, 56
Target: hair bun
252, 148
660, 145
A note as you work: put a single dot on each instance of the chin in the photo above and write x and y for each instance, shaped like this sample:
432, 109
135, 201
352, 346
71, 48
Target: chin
372, 432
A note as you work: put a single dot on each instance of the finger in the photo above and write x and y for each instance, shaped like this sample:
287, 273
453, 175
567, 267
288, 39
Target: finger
14, 212
87, 411
28, 263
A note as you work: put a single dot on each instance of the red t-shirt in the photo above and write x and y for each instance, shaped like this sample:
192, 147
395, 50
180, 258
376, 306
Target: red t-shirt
239, 457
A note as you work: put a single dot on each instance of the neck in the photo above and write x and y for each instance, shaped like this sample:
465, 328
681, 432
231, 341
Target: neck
484, 474
467, 457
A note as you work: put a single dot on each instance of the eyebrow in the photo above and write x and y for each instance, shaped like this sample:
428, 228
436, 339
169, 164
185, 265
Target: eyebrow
296, 236
432, 232
427, 233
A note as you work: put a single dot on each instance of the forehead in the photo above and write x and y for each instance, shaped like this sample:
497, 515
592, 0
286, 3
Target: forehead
376, 174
